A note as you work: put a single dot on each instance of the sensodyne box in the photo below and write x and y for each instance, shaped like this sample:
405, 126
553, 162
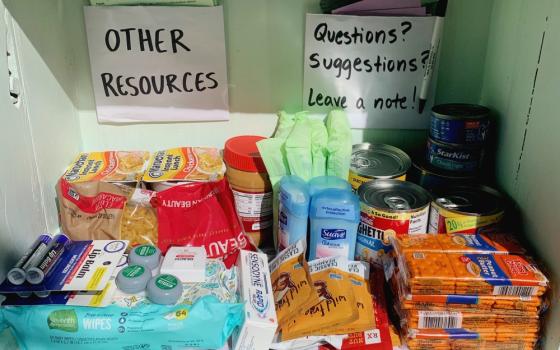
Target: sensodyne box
255, 287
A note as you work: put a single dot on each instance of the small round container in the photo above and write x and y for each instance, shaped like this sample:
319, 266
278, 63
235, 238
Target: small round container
377, 161
146, 255
320, 183
460, 158
133, 279
459, 123
42, 293
164, 289
251, 187
24, 294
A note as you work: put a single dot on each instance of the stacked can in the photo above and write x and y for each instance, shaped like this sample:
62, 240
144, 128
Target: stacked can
457, 136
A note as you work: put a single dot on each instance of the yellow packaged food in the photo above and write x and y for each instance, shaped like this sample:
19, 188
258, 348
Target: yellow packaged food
185, 164
291, 283
139, 224
334, 305
107, 166
358, 272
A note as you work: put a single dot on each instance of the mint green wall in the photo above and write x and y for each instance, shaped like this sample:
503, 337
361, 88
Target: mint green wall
522, 85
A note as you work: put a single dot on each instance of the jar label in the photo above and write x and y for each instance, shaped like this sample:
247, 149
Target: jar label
166, 282
145, 250
254, 210
133, 271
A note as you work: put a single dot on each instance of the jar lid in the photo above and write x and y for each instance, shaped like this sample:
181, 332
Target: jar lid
241, 153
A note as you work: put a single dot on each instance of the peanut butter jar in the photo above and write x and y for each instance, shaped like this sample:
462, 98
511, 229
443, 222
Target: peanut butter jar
247, 176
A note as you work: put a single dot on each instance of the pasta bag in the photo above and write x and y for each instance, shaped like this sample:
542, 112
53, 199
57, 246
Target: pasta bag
291, 282
139, 223
334, 303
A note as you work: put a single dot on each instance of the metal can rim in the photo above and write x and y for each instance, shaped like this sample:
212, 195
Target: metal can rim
402, 155
440, 112
470, 147
425, 203
486, 189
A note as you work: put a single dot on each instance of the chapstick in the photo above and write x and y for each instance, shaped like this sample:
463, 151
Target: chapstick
17, 274
36, 274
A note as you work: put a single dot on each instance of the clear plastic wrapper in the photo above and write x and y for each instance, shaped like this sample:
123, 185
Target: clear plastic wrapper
472, 274
486, 243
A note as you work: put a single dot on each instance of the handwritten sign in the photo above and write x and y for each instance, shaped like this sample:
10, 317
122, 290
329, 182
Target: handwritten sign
156, 64
372, 67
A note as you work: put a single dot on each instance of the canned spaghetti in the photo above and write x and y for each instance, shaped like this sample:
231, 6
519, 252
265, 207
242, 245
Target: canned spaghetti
389, 208
466, 209
377, 161
459, 123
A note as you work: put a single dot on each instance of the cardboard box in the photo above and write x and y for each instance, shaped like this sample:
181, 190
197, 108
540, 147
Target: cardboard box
255, 286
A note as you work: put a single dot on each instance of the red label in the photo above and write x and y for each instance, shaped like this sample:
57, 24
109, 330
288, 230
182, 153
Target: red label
92, 205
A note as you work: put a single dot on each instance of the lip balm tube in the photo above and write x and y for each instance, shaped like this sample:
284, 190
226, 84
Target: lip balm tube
36, 274
17, 274
42, 293
133, 279
164, 289
146, 255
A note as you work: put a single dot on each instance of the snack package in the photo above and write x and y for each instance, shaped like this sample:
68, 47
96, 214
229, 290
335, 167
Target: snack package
198, 164
475, 274
334, 306
139, 222
207, 324
358, 272
201, 214
291, 282
501, 243
91, 210
108, 166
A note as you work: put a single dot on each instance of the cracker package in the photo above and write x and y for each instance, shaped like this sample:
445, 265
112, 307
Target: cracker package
335, 304
107, 166
91, 210
185, 164
291, 282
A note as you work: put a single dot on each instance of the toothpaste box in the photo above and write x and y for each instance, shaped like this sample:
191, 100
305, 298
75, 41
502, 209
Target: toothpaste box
260, 324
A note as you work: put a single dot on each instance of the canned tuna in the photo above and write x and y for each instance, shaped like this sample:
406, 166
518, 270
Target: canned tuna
454, 157
457, 123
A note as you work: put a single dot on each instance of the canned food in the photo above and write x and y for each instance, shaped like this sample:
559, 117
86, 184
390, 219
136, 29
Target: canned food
430, 177
466, 209
389, 208
459, 123
377, 161
454, 157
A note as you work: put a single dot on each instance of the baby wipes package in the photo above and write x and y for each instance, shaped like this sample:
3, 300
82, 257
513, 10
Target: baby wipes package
207, 324
291, 282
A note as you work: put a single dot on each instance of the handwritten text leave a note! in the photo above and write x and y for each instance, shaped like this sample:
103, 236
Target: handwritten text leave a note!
372, 67
155, 64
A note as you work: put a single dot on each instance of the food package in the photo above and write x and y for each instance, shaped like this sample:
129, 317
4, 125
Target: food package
201, 214
199, 164
497, 243
334, 306
475, 274
206, 324
291, 282
107, 166
139, 222
91, 210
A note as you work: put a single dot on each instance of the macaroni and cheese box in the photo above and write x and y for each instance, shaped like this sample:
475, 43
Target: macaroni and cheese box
107, 166
199, 164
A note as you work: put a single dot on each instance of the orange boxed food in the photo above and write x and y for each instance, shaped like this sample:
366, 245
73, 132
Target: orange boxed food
476, 274
107, 166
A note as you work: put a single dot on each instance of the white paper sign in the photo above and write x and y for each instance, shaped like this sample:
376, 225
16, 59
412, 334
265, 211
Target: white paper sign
372, 67
156, 64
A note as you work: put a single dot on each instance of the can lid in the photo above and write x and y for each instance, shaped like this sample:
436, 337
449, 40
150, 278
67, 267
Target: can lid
394, 195
460, 111
379, 160
241, 153
474, 200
